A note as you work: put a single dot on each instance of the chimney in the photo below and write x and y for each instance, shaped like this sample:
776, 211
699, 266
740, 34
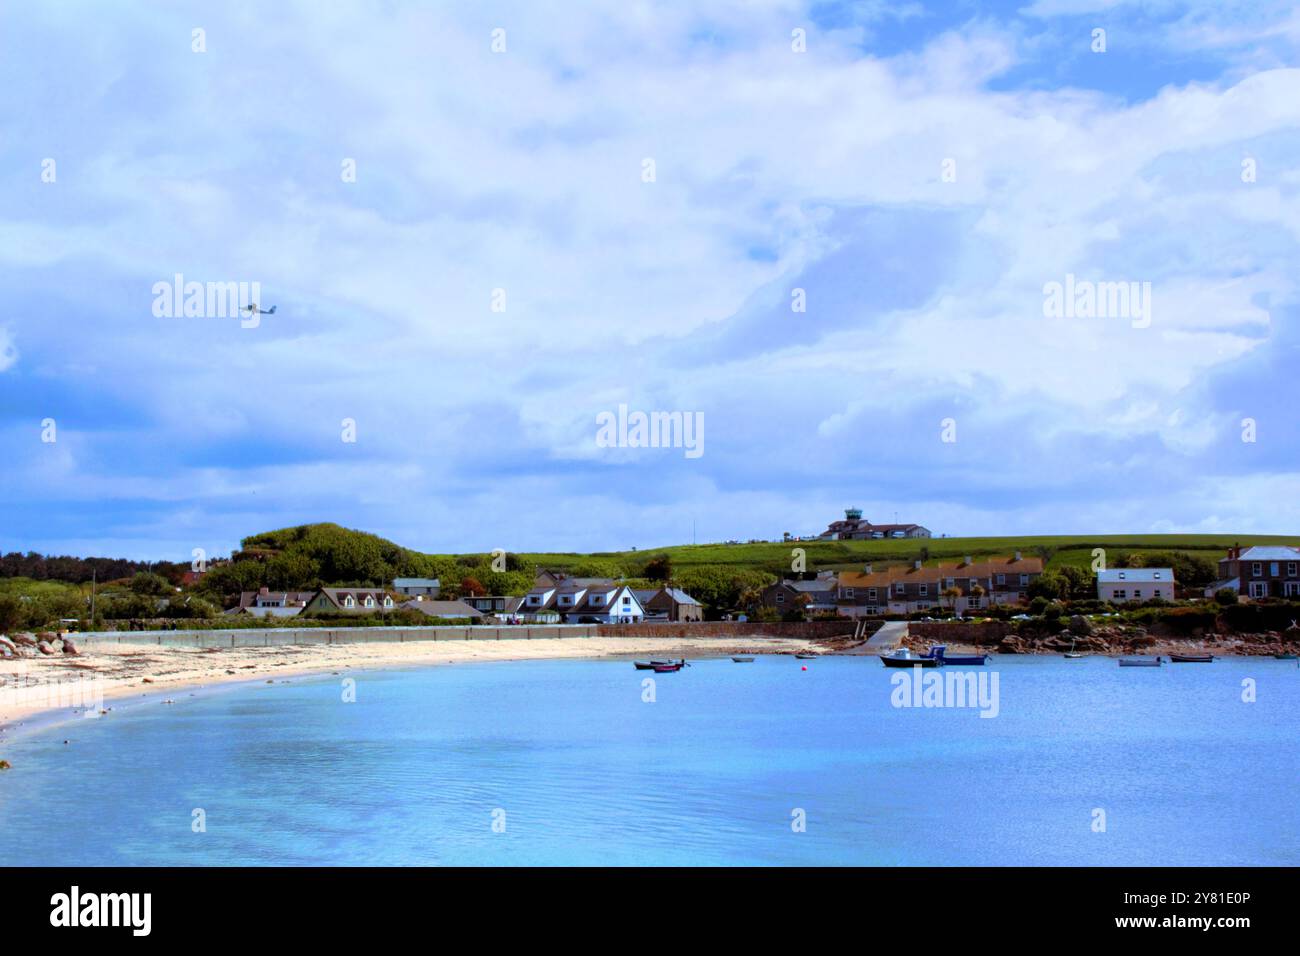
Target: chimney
263, 590
1017, 555
866, 569
968, 560
917, 564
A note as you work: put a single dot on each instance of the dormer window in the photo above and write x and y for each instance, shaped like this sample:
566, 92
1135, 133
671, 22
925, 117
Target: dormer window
1156, 575
348, 602
370, 602
388, 602
1121, 575
534, 599
597, 599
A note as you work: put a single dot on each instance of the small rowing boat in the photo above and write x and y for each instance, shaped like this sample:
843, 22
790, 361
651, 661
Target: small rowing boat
1191, 658
804, 657
1138, 662
743, 660
1285, 657
649, 665
668, 667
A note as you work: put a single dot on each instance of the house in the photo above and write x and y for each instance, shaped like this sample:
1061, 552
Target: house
267, 603
448, 609
501, 605
1260, 571
810, 596
1121, 585
962, 586
669, 604
582, 601
417, 587
350, 601
855, 527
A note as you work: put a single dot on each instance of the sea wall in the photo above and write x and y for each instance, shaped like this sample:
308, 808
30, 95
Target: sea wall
273, 637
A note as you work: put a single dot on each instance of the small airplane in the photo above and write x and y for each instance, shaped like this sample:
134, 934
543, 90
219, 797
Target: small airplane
250, 309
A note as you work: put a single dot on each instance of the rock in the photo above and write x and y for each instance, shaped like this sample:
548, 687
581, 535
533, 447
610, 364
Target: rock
44, 648
25, 639
8, 647
1079, 625
70, 647
5, 765
147, 680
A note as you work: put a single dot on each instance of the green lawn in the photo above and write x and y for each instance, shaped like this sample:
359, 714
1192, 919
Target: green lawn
1060, 550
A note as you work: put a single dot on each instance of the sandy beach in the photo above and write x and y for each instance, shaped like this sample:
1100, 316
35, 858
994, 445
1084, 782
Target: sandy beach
34, 686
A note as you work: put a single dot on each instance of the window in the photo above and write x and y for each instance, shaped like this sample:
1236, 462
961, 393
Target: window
848, 592
974, 583
871, 594
597, 599
1122, 575
1024, 580
1137, 594
1292, 588
949, 582
1155, 593
1155, 575
1290, 569
626, 599
388, 602
922, 605
973, 602
900, 588
925, 589
1272, 569
1256, 569
1119, 594
1258, 589
348, 602
370, 602
566, 599
1002, 579
780, 597
534, 599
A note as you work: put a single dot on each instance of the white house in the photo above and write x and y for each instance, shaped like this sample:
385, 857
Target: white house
582, 601
1120, 585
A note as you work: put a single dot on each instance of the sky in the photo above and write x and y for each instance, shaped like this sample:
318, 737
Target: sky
827, 231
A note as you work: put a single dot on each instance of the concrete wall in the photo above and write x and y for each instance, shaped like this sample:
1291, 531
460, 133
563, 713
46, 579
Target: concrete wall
272, 637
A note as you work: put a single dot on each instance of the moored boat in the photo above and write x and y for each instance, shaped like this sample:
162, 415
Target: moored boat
1191, 658
668, 667
903, 658
940, 653
743, 660
643, 665
1138, 662
805, 657
1285, 657
1073, 655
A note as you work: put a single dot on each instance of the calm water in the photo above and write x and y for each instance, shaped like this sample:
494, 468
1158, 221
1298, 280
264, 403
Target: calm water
586, 773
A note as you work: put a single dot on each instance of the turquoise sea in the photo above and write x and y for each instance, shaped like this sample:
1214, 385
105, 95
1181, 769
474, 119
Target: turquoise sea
563, 762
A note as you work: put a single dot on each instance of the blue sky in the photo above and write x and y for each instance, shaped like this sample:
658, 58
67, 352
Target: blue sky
522, 170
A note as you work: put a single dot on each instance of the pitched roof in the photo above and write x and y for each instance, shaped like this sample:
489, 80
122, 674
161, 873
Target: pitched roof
443, 608
1136, 576
1280, 552
416, 583
929, 574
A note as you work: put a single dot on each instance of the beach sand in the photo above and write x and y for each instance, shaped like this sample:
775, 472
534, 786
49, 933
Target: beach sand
43, 685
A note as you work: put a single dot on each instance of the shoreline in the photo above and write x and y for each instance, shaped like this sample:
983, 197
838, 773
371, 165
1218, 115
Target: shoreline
42, 690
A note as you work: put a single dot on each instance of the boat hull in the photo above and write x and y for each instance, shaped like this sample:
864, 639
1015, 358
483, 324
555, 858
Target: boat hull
1191, 658
909, 661
1126, 663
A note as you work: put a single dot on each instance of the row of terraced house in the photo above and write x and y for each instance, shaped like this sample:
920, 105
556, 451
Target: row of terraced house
966, 585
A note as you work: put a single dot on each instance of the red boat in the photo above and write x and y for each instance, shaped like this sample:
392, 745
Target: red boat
669, 668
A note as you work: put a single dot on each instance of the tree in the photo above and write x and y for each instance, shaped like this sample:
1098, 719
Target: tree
470, 587
1226, 597
11, 612
146, 583
952, 594
659, 568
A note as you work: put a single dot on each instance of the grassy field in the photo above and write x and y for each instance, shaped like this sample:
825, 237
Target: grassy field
1059, 550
